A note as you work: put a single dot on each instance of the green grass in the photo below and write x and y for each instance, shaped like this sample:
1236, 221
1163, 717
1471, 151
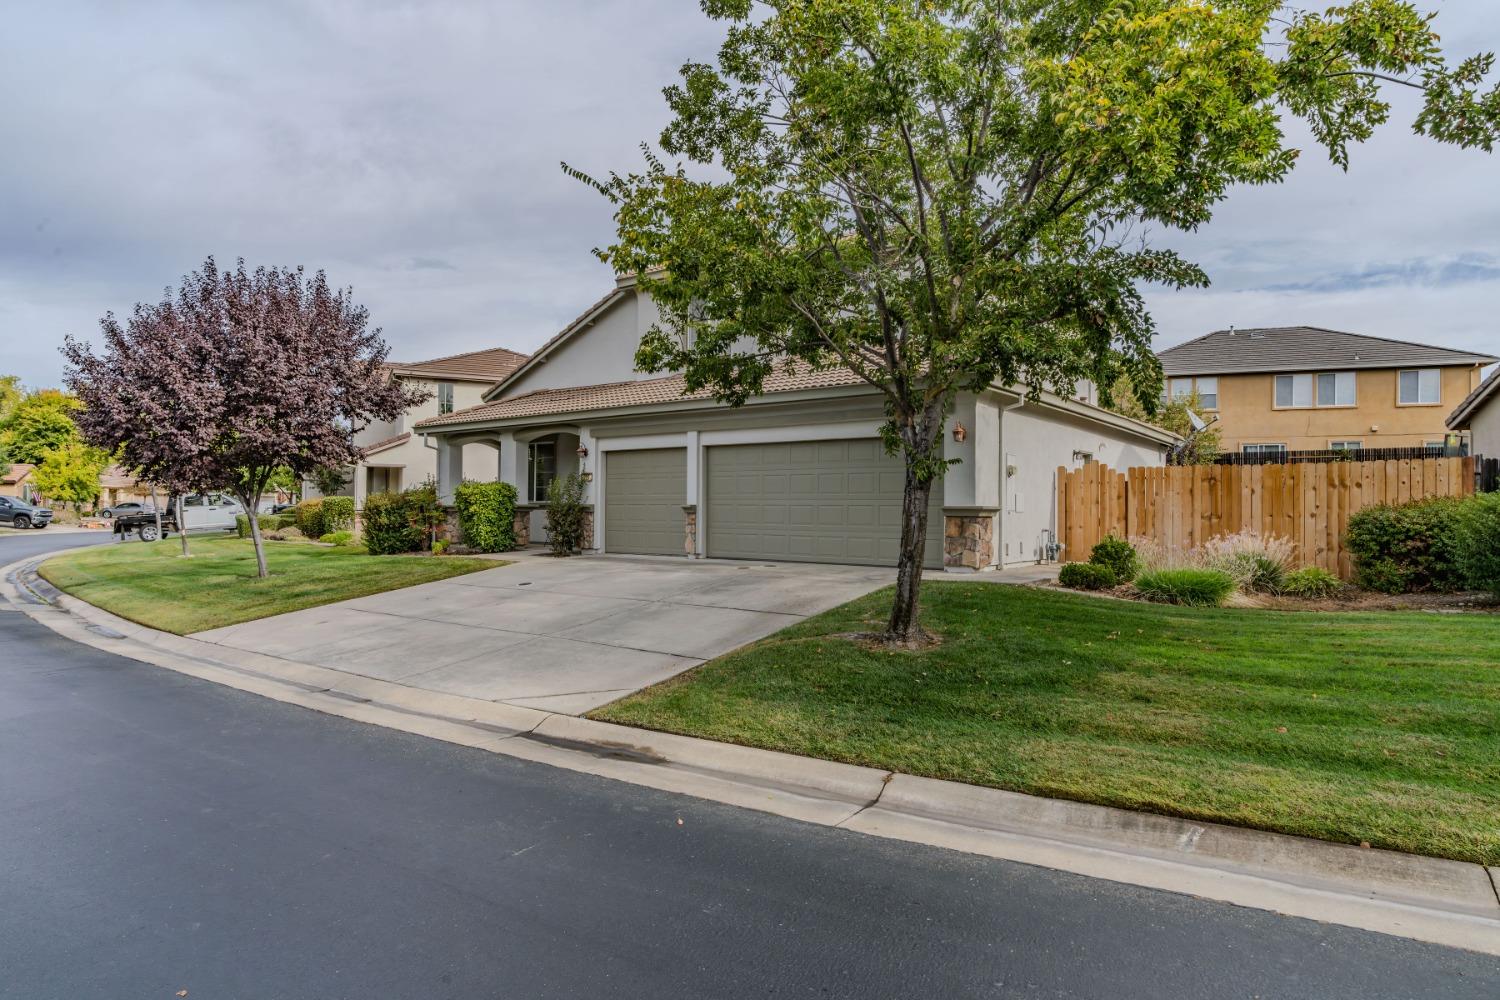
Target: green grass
152, 584
1378, 727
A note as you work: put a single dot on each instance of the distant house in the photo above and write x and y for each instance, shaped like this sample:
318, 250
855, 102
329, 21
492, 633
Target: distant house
1479, 417
1305, 388
117, 485
18, 482
394, 459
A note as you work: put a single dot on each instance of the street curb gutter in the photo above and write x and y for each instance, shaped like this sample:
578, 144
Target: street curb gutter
1445, 902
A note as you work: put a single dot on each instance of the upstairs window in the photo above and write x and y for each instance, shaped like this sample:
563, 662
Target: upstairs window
1208, 392
1421, 387
1207, 387
1336, 389
1294, 390
445, 397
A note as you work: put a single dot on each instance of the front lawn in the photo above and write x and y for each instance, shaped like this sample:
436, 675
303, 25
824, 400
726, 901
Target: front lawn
150, 583
1382, 728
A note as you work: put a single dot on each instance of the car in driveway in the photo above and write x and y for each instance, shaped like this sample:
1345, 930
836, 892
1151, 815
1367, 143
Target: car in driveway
128, 507
19, 514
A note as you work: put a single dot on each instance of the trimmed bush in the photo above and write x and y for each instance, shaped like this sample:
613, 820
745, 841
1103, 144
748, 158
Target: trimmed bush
440, 546
268, 523
565, 514
486, 515
401, 522
1087, 576
1117, 555
338, 514
1311, 581
1192, 587
337, 538
1478, 538
1407, 547
308, 516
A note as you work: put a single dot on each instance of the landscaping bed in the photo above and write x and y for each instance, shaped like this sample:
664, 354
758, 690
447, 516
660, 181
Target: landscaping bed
1358, 727
150, 583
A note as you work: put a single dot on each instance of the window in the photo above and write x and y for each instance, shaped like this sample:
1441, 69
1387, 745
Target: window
1181, 388
542, 460
1294, 390
445, 397
196, 500
1420, 387
1208, 392
1346, 445
1336, 389
1265, 450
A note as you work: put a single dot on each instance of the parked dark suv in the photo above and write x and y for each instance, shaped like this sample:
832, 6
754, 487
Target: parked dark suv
19, 514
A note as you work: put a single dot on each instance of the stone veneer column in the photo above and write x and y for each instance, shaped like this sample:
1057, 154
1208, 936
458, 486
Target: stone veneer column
690, 530
522, 525
969, 538
586, 542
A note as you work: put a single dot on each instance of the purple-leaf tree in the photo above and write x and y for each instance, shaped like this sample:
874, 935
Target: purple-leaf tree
237, 374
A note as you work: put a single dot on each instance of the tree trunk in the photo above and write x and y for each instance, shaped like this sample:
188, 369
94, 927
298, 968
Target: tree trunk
921, 447
250, 504
181, 527
156, 509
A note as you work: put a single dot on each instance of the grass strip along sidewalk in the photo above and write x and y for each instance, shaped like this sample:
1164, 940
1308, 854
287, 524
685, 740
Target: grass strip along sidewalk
150, 583
1382, 728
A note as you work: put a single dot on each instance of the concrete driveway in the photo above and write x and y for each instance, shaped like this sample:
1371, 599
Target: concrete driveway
565, 635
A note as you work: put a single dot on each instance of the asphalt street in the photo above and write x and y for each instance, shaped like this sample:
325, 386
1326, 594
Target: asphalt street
160, 833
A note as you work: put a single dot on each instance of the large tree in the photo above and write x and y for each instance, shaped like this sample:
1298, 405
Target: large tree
939, 195
238, 374
38, 422
70, 474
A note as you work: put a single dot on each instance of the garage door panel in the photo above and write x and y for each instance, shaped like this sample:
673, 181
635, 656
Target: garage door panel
824, 501
643, 496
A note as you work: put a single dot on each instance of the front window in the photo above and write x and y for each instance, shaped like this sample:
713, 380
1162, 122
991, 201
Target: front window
445, 397
543, 463
1336, 389
1421, 387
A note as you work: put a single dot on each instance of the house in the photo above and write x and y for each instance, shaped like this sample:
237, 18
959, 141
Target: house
394, 459
117, 485
1479, 417
1305, 388
17, 482
798, 473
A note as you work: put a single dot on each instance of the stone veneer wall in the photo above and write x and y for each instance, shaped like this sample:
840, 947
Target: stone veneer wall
969, 540
690, 531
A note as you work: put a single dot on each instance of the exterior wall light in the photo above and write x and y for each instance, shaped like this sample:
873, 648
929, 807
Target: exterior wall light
960, 432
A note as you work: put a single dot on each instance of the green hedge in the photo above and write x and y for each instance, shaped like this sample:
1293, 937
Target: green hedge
338, 514
1407, 547
1087, 576
1478, 538
487, 515
268, 523
401, 522
308, 516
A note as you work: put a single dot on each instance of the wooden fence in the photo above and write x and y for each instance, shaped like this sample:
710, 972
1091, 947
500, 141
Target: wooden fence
1184, 506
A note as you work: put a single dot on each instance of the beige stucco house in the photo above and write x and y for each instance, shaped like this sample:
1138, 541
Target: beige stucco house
394, 457
17, 481
1479, 417
1305, 388
795, 474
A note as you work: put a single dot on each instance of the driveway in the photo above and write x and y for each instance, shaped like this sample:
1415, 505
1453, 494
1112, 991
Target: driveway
564, 635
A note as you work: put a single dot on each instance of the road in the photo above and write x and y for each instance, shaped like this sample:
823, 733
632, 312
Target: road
159, 833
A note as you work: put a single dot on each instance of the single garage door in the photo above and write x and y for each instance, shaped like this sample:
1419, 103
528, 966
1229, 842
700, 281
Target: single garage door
643, 496
811, 501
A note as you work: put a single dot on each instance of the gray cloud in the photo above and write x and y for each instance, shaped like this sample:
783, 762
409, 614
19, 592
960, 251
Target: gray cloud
411, 151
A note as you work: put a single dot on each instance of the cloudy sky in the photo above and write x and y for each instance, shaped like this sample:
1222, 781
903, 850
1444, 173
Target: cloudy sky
411, 150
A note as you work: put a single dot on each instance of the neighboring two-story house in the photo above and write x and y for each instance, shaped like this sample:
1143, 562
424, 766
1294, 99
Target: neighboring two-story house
1304, 388
798, 473
395, 458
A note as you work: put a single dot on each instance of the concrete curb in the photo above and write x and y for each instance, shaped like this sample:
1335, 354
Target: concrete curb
1429, 899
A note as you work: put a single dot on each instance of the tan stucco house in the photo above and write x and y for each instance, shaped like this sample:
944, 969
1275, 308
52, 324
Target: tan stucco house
17, 482
796, 474
1479, 417
396, 459
1305, 388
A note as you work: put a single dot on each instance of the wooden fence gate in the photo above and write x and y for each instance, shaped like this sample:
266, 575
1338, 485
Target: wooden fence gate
1184, 506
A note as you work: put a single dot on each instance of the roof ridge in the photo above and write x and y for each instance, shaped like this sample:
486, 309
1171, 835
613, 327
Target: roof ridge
455, 357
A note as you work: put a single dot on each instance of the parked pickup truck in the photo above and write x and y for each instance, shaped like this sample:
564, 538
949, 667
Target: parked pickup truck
19, 514
201, 512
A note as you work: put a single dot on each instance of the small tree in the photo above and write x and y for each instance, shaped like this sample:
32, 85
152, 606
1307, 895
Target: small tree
238, 374
70, 474
39, 422
946, 195
1195, 447
565, 514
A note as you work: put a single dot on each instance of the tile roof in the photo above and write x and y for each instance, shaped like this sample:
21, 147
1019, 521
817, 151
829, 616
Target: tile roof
1302, 348
491, 365
390, 442
1483, 391
617, 395
18, 471
118, 477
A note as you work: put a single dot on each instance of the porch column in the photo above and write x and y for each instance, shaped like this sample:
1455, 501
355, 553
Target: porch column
450, 470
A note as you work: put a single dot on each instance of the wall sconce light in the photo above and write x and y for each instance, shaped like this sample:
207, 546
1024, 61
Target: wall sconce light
960, 432
583, 452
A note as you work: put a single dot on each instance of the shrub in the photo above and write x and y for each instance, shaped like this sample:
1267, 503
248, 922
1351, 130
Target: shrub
487, 515
401, 522
565, 514
337, 538
1255, 561
1478, 540
1311, 581
1087, 576
308, 516
1117, 555
440, 546
1193, 587
268, 523
338, 514
1405, 547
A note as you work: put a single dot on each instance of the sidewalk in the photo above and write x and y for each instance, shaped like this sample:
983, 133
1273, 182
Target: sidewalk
1436, 900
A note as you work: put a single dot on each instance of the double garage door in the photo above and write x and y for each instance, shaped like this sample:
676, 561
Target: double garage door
803, 501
